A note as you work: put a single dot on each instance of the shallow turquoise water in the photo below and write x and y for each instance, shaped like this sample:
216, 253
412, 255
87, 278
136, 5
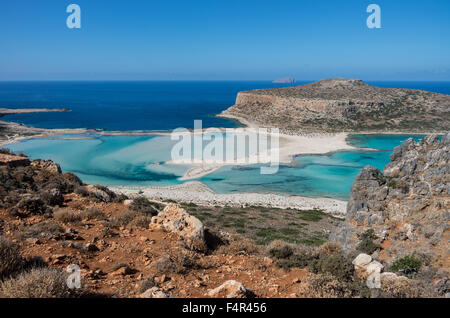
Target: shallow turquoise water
130, 160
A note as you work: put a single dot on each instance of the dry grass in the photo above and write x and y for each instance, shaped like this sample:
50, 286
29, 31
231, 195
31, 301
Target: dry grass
37, 283
39, 230
67, 216
10, 258
330, 249
93, 213
140, 221
239, 245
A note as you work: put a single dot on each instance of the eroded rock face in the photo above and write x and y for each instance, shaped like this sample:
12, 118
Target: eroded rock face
32, 187
177, 220
407, 205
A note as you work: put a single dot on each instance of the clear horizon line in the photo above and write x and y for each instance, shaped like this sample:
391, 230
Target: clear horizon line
208, 80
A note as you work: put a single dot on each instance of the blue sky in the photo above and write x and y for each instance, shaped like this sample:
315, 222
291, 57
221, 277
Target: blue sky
224, 39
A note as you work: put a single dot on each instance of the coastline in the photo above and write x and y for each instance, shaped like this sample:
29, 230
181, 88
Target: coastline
290, 146
198, 193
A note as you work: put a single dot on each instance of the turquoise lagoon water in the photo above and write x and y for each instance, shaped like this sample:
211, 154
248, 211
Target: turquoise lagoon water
130, 160
153, 105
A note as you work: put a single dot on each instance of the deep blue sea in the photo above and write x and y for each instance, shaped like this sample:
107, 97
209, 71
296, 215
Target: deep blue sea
130, 160
140, 105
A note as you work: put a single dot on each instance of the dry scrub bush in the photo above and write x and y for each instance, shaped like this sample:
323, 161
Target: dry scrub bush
403, 288
329, 249
140, 221
323, 286
178, 262
41, 229
10, 259
37, 283
122, 218
93, 213
144, 206
238, 245
66, 216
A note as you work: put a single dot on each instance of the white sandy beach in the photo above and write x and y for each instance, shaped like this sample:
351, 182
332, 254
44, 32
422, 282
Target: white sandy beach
198, 193
289, 147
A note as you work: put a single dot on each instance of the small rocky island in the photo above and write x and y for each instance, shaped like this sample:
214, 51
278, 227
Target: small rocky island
336, 105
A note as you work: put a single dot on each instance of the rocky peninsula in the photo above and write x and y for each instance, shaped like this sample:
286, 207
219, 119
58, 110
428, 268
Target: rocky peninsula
336, 105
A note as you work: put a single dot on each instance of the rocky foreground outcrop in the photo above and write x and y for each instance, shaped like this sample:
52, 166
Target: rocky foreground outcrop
405, 209
35, 187
176, 220
343, 104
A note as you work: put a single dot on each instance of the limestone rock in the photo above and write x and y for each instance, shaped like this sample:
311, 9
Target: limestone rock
153, 292
374, 267
177, 220
388, 275
229, 289
362, 260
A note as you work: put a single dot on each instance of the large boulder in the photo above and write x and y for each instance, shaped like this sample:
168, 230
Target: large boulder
175, 219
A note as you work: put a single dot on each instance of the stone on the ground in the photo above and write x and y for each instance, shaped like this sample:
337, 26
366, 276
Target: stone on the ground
153, 292
177, 220
229, 289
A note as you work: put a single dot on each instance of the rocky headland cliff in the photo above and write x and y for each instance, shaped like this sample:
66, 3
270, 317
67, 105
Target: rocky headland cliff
401, 216
339, 104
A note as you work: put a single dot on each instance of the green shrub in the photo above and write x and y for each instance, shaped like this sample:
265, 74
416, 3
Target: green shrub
10, 259
337, 265
367, 244
282, 252
300, 260
333, 262
407, 265
311, 215
143, 206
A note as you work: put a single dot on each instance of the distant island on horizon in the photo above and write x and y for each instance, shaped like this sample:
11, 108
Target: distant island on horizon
287, 80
